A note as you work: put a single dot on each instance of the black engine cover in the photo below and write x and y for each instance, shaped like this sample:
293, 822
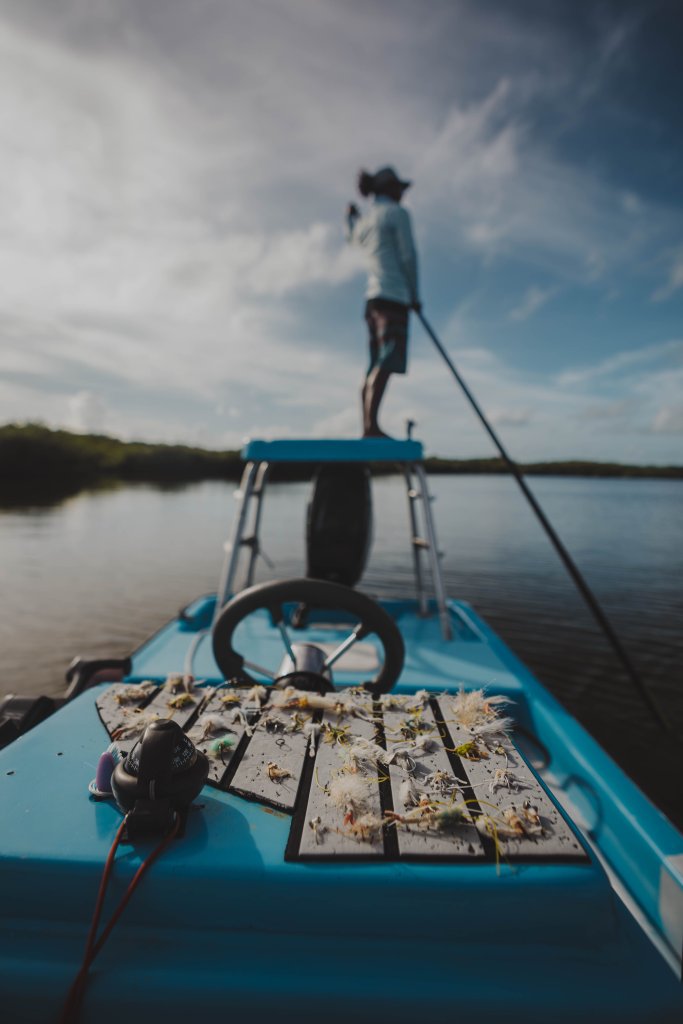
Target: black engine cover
339, 523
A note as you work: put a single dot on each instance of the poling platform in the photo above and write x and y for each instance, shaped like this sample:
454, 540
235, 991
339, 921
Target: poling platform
367, 449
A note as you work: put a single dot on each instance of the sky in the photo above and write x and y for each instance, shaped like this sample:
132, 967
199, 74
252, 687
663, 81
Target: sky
174, 177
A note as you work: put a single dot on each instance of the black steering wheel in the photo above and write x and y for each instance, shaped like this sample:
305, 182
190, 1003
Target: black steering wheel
314, 594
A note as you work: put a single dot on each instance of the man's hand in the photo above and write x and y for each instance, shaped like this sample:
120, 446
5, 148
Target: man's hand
352, 210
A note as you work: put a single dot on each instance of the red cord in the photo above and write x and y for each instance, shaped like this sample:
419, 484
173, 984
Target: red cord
74, 998
136, 879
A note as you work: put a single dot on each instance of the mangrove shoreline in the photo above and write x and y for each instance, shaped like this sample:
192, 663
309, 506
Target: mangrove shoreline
43, 465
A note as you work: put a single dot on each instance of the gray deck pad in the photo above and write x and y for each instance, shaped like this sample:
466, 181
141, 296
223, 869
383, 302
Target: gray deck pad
220, 728
521, 817
405, 777
433, 818
121, 709
175, 702
271, 766
127, 710
343, 813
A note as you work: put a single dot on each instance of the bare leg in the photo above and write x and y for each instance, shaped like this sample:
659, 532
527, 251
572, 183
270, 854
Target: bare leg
373, 392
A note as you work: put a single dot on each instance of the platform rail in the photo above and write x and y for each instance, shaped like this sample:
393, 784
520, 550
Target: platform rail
260, 455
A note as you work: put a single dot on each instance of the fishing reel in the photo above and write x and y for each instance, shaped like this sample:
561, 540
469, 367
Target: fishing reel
159, 779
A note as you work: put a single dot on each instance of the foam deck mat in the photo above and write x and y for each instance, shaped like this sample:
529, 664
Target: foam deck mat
418, 777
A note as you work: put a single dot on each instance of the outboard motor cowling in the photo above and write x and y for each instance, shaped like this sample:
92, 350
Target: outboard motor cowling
339, 523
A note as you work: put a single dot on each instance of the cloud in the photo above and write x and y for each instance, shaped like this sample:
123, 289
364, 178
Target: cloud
669, 420
173, 185
631, 203
532, 300
669, 351
621, 409
117, 260
510, 417
296, 259
88, 412
674, 281
510, 196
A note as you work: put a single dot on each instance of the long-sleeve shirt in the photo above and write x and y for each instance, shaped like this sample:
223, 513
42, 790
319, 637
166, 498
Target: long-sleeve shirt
385, 235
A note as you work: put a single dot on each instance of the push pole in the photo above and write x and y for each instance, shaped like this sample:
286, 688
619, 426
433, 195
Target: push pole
569, 563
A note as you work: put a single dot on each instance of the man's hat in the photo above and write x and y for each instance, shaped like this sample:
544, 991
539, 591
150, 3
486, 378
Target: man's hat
388, 176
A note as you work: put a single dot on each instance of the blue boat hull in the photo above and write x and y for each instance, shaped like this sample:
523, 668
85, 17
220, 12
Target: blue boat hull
224, 925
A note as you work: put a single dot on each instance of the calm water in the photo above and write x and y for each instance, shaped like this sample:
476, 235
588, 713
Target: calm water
96, 574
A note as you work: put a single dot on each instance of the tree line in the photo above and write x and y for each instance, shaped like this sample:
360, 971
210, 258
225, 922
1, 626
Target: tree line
39, 463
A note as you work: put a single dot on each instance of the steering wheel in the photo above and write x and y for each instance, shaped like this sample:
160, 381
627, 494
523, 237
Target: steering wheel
317, 594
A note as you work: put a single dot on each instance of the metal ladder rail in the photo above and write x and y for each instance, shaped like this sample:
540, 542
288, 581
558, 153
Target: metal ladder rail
233, 545
417, 543
253, 541
432, 548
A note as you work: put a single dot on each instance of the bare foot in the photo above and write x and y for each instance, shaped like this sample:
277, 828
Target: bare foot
376, 432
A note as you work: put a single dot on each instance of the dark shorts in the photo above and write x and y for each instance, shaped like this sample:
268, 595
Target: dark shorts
388, 329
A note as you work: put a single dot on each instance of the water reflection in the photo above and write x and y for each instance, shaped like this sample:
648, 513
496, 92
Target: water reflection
97, 573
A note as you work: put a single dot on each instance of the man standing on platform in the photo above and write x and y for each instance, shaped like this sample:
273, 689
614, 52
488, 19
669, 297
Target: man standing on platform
385, 235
